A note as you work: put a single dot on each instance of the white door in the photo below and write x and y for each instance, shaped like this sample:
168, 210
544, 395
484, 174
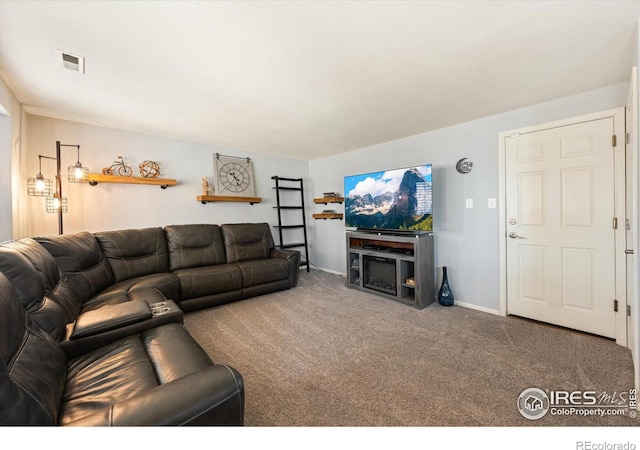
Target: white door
560, 207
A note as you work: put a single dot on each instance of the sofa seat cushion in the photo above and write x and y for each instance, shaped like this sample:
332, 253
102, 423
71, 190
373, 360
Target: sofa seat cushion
209, 280
156, 287
127, 368
263, 271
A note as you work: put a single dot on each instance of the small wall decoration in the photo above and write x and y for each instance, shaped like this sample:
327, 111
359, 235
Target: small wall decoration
149, 169
464, 165
118, 168
233, 176
206, 188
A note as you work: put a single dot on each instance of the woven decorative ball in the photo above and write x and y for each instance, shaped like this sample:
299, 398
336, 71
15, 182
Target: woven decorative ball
149, 169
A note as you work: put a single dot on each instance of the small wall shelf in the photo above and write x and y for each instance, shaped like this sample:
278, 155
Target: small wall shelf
326, 200
204, 199
95, 178
327, 216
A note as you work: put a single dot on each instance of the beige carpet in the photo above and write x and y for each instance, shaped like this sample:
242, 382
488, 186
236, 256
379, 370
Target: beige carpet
325, 355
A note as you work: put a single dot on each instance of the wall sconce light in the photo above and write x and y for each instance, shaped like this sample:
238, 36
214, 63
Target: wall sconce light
41, 187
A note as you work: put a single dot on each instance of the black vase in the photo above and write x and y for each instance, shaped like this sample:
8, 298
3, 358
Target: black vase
445, 296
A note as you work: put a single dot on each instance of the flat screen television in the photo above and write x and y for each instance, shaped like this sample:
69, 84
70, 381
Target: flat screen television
398, 199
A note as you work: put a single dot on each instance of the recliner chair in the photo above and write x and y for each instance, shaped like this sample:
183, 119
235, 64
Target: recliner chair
160, 376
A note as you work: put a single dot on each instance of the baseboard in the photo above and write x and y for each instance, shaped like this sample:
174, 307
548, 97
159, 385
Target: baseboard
478, 308
463, 304
334, 272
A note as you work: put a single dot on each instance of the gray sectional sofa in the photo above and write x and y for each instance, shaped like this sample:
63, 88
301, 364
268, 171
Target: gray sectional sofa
91, 323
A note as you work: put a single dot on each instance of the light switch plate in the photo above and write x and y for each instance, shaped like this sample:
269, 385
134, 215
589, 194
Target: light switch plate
469, 203
491, 203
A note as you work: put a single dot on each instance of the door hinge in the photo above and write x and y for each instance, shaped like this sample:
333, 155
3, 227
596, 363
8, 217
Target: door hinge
614, 140
615, 223
627, 138
629, 310
615, 305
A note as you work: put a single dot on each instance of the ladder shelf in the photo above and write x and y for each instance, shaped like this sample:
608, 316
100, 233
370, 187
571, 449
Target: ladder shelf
291, 184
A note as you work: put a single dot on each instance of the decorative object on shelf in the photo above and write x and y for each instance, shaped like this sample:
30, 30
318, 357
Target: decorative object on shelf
149, 169
233, 176
118, 168
329, 197
41, 187
464, 165
206, 187
445, 295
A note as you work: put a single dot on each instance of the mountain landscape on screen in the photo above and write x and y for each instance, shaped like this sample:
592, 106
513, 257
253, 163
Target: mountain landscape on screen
399, 199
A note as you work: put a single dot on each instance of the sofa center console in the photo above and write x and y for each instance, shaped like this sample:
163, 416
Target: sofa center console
395, 265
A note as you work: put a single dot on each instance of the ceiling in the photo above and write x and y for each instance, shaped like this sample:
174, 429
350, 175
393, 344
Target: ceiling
307, 79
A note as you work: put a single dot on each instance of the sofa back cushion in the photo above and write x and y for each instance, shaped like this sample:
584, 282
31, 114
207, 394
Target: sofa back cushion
135, 252
82, 262
40, 287
33, 367
247, 241
194, 246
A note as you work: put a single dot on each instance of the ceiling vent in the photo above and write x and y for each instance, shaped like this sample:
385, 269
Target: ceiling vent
71, 62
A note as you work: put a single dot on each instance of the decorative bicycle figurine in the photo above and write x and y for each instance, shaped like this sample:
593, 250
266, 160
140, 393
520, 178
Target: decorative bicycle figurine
118, 168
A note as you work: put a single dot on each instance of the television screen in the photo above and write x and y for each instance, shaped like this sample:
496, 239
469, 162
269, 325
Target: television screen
398, 199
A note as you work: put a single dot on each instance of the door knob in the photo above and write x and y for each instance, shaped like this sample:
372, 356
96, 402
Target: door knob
514, 235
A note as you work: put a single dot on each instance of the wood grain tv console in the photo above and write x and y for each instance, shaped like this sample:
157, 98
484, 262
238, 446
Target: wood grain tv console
395, 265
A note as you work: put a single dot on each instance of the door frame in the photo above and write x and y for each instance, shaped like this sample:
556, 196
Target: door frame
618, 115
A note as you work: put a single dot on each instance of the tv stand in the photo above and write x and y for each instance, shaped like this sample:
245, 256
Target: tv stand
396, 265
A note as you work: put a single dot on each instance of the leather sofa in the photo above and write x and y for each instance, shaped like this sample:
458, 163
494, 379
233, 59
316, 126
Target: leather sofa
159, 376
111, 301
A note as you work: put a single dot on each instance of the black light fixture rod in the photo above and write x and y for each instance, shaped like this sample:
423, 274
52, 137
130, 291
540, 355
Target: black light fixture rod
58, 191
59, 186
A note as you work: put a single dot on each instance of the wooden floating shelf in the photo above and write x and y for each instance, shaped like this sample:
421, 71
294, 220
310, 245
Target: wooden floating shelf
204, 199
95, 178
326, 200
327, 216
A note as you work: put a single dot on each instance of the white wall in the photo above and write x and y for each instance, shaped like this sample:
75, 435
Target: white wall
466, 240
119, 206
10, 125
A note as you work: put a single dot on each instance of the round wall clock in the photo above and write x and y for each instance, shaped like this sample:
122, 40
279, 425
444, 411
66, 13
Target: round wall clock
233, 176
464, 165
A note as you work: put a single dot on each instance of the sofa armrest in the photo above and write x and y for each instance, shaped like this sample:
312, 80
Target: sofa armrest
109, 317
211, 396
293, 258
